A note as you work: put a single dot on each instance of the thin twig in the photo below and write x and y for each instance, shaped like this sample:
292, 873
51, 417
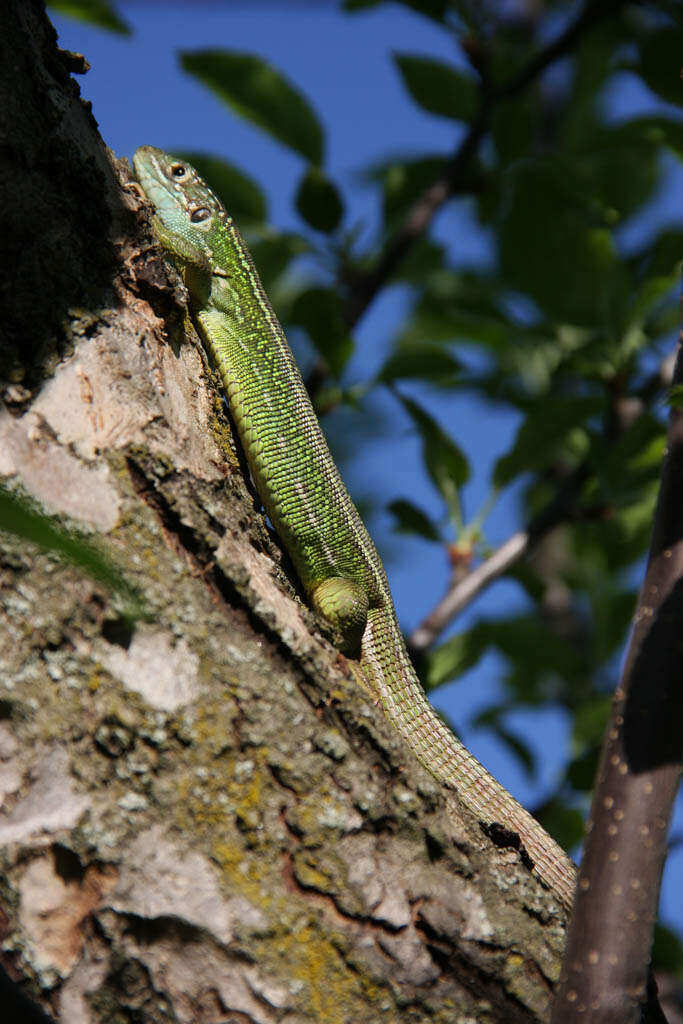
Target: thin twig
460, 595
562, 508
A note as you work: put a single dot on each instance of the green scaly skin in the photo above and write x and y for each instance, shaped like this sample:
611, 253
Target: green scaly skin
303, 493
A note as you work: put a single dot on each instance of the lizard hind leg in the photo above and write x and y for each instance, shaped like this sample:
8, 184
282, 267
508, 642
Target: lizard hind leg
344, 604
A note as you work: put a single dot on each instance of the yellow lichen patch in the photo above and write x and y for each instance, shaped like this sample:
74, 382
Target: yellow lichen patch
248, 809
95, 679
331, 992
211, 728
151, 557
311, 876
212, 795
320, 814
245, 873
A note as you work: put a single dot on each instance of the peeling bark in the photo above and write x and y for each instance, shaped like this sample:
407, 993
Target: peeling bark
203, 816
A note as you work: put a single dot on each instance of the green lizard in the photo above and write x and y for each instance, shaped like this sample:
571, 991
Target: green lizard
305, 497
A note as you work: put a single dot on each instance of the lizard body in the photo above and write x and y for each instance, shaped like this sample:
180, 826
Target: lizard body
304, 496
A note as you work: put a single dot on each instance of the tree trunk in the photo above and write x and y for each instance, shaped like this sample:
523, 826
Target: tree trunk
204, 818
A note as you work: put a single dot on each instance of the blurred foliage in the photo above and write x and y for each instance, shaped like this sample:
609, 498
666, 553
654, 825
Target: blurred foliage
319, 311
257, 91
667, 952
319, 202
437, 87
19, 517
569, 326
96, 12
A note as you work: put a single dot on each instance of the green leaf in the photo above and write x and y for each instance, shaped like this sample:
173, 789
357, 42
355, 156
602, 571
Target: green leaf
318, 201
319, 311
663, 321
21, 519
438, 87
583, 769
512, 126
590, 720
664, 256
411, 519
612, 544
661, 59
420, 361
95, 12
675, 397
593, 63
259, 92
543, 435
242, 197
443, 458
565, 824
537, 657
612, 615
672, 135
454, 657
435, 9
625, 465
517, 746
597, 167
462, 306
425, 260
650, 301
550, 248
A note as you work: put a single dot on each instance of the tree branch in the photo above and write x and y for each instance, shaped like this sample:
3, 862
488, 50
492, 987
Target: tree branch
455, 177
561, 508
593, 12
417, 221
467, 588
604, 977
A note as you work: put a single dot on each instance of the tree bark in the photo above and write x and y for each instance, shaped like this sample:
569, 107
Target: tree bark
203, 819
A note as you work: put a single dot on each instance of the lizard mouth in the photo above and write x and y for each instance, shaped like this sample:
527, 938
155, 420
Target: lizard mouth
148, 170
136, 188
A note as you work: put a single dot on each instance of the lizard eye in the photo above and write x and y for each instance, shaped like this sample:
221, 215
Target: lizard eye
178, 170
200, 214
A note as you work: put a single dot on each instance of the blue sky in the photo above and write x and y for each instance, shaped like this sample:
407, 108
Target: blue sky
343, 64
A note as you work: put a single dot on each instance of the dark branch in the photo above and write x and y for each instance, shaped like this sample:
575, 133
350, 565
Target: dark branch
593, 12
417, 221
605, 970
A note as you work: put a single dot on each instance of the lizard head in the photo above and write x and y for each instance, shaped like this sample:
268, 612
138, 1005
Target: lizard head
186, 212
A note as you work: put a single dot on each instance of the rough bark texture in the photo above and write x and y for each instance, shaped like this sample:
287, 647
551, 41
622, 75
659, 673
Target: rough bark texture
203, 818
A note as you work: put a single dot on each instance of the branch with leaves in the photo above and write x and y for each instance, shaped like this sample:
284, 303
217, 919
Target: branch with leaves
441, 90
563, 508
